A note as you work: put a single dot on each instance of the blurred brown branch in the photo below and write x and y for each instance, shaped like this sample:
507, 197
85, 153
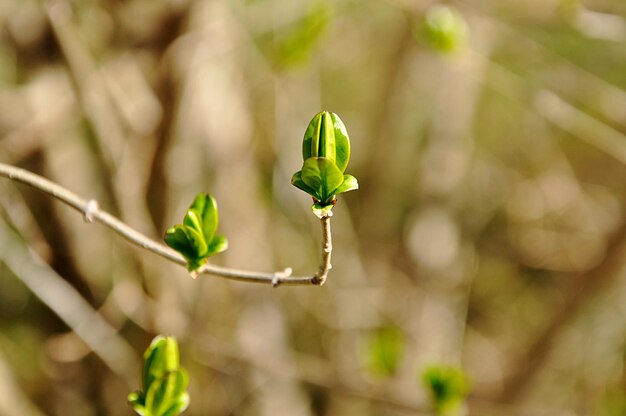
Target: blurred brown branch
581, 289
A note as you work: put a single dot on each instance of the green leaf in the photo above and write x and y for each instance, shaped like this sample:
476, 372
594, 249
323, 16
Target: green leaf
297, 42
349, 184
192, 220
319, 137
194, 237
296, 180
448, 386
445, 29
202, 215
177, 238
198, 242
323, 176
342, 143
218, 244
384, 351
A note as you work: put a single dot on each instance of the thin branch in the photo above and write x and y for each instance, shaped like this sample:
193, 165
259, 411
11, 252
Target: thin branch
327, 250
91, 212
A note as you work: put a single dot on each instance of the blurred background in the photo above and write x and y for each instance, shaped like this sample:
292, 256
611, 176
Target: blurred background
489, 140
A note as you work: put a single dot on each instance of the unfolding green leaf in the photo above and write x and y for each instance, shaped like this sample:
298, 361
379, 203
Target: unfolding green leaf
205, 207
296, 180
192, 220
194, 238
177, 238
322, 175
218, 244
349, 184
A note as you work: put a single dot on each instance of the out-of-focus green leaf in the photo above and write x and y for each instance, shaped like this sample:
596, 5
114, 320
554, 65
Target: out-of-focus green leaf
444, 29
218, 244
385, 349
448, 387
295, 45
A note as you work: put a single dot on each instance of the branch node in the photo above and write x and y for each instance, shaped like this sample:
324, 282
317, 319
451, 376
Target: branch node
279, 275
90, 209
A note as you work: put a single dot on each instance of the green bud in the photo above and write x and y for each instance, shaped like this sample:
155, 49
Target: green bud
326, 136
195, 238
160, 358
326, 153
164, 381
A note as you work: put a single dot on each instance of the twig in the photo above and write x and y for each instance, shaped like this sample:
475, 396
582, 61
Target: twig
327, 250
91, 212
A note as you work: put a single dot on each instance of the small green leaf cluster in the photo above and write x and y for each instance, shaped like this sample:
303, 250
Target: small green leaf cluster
385, 350
195, 238
164, 381
444, 29
326, 152
448, 386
